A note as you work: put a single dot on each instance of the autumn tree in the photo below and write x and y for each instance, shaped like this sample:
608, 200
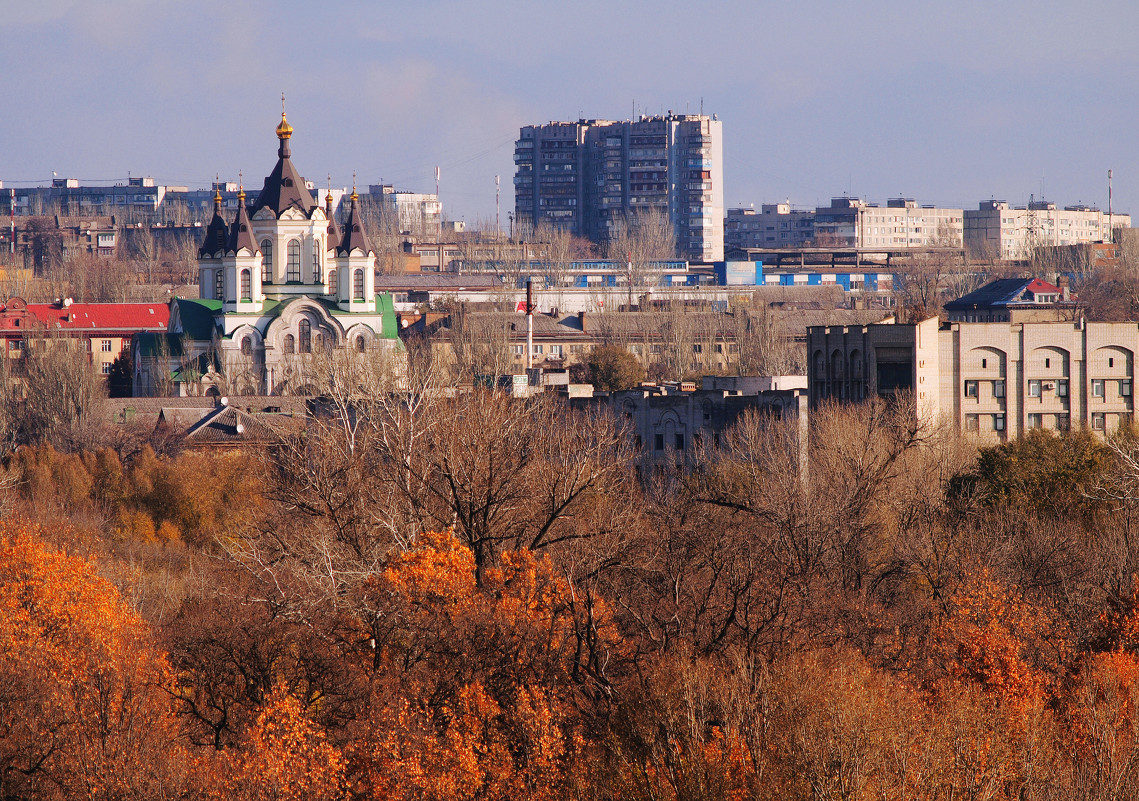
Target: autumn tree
83, 705
612, 368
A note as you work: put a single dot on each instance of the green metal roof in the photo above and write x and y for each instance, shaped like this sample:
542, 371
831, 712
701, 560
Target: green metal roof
197, 316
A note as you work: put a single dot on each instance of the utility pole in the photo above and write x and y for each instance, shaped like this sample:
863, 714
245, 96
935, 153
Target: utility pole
436, 181
529, 324
497, 217
1110, 223
12, 219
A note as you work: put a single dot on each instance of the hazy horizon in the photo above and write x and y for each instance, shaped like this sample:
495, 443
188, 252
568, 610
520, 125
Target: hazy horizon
948, 105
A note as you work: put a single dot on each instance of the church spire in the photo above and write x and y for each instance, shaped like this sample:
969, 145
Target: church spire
284, 132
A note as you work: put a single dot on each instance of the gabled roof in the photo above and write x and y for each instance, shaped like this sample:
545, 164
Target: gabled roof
1003, 292
229, 425
125, 318
354, 235
241, 232
284, 187
216, 235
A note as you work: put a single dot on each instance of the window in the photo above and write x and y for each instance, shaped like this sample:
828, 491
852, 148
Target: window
1034, 389
1063, 422
658, 442
1097, 421
680, 441
698, 348
304, 336
106, 367
266, 261
361, 344
1047, 363
970, 389
556, 350
1110, 361
294, 263
290, 344
316, 265
984, 363
246, 285
246, 346
519, 350
1035, 420
1062, 388
358, 285
998, 389
333, 288
998, 422
1125, 388
1097, 388
219, 285
105, 346
971, 422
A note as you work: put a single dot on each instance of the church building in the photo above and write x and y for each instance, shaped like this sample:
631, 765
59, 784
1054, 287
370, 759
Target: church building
280, 282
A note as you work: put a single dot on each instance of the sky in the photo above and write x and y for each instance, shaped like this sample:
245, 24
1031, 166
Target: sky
949, 103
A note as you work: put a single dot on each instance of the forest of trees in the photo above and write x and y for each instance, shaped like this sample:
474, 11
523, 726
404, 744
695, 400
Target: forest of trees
474, 597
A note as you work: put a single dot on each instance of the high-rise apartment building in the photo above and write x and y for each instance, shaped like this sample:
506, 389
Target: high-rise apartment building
590, 176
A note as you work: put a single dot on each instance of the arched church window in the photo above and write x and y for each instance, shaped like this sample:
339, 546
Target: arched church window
317, 271
246, 285
219, 285
360, 344
294, 262
266, 261
358, 285
290, 346
304, 335
333, 287
247, 346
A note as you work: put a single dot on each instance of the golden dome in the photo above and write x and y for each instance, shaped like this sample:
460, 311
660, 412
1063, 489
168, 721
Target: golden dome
328, 197
284, 130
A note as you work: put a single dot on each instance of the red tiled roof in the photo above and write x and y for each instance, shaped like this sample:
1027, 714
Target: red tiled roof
122, 317
1037, 287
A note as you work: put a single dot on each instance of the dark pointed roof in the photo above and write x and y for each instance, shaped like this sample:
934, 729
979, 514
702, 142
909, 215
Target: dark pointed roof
241, 232
333, 228
216, 234
284, 186
354, 235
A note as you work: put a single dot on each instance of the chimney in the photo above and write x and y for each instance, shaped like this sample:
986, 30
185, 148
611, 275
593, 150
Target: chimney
581, 319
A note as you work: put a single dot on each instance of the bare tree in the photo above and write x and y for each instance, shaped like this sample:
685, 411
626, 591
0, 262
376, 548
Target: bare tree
641, 238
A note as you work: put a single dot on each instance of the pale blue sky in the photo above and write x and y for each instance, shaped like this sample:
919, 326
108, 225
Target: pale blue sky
947, 102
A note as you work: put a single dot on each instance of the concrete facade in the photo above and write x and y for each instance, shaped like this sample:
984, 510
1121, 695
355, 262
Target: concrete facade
997, 231
995, 380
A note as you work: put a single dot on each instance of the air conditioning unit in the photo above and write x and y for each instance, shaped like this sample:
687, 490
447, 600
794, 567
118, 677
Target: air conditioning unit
1050, 385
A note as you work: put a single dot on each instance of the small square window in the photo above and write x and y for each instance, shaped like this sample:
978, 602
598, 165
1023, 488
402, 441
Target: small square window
658, 442
998, 422
1125, 388
971, 422
680, 442
1097, 388
1097, 421
998, 389
970, 389
1062, 388
1034, 389
1035, 420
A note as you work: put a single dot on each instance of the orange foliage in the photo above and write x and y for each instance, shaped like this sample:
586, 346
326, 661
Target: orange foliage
82, 706
474, 695
994, 637
284, 757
